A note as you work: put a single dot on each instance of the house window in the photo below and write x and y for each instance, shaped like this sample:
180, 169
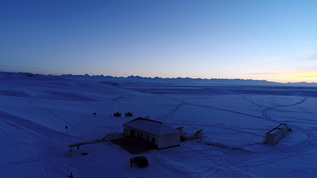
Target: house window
153, 140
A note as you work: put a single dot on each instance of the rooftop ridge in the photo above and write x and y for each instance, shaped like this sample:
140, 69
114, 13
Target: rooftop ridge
141, 118
150, 126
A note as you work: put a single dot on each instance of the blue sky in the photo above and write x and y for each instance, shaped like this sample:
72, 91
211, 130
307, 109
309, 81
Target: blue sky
270, 40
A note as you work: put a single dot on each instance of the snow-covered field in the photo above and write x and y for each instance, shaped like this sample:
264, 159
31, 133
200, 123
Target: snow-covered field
35, 110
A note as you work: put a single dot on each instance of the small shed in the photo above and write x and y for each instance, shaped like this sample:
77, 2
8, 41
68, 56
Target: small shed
276, 134
155, 132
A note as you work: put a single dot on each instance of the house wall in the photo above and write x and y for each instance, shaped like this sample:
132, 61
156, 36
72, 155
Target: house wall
166, 141
162, 141
144, 135
273, 139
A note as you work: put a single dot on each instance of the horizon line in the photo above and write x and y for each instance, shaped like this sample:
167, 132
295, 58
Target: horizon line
144, 77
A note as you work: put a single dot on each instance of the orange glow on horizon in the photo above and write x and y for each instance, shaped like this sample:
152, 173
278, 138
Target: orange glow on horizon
296, 77
285, 77
305, 76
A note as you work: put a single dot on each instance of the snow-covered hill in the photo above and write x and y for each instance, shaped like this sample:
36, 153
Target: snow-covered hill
35, 110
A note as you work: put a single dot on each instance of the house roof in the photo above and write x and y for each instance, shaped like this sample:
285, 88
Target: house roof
151, 126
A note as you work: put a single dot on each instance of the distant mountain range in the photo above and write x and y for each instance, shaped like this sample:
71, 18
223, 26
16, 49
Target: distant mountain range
130, 80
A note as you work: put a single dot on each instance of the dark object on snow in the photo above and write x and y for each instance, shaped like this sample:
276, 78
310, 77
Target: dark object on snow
94, 114
71, 175
180, 128
66, 127
84, 153
128, 114
111, 83
117, 114
77, 146
141, 161
276, 134
197, 135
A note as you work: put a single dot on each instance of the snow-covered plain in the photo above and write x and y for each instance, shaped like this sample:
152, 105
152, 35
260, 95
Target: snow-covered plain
34, 111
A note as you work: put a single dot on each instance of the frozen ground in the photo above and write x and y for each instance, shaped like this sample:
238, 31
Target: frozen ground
34, 111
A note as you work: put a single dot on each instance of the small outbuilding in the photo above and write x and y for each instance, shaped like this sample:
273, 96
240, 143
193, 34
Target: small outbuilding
154, 132
276, 134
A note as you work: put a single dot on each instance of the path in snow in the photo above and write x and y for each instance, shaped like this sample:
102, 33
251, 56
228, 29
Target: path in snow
33, 126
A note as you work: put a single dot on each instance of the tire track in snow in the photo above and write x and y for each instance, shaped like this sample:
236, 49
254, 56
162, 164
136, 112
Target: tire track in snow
177, 107
265, 111
52, 163
272, 156
267, 157
226, 110
288, 152
56, 116
33, 126
68, 123
287, 105
266, 116
253, 102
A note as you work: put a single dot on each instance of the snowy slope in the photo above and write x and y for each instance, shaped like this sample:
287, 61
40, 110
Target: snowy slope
34, 111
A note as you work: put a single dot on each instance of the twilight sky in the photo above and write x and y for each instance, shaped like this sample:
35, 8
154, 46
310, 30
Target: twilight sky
274, 40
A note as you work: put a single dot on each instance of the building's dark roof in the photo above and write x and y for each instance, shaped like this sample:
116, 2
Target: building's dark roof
151, 126
277, 129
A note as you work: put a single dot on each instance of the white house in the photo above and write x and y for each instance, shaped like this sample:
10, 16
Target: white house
155, 132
